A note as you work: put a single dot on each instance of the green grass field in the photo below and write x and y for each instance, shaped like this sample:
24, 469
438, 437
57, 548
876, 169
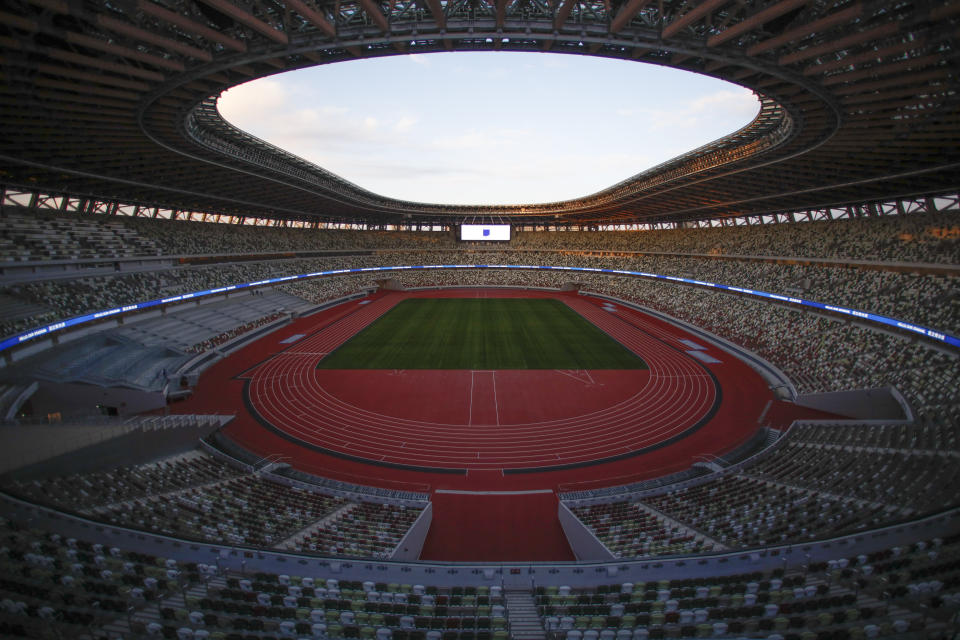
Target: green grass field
481, 333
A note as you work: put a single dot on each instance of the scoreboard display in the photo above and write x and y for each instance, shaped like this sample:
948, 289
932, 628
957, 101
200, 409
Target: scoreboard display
485, 232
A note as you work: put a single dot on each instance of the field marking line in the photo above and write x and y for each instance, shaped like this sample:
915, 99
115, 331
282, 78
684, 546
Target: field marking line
470, 417
496, 405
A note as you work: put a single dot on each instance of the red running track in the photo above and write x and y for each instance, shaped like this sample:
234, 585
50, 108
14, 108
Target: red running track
518, 419
482, 420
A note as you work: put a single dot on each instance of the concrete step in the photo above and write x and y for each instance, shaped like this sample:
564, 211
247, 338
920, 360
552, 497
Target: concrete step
525, 623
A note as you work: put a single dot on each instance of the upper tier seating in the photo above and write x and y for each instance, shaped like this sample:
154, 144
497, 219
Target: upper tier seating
900, 238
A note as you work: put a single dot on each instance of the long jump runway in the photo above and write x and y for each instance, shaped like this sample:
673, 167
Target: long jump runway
461, 421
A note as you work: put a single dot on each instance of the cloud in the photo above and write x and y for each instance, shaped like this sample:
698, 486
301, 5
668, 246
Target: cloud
736, 106
468, 144
253, 100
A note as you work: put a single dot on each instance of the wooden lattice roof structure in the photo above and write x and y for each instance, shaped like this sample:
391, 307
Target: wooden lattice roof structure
116, 99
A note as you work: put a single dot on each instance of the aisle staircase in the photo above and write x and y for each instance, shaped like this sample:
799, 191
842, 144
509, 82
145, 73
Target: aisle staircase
525, 623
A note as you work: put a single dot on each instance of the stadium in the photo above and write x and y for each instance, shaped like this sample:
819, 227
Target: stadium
245, 398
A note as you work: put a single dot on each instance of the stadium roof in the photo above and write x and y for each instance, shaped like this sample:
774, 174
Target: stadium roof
117, 99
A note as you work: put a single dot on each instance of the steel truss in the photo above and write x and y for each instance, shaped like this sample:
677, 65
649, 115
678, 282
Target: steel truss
116, 99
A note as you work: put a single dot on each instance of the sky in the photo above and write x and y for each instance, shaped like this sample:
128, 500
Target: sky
488, 127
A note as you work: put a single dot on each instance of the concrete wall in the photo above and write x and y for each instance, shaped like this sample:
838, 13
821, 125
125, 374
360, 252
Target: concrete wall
861, 404
411, 545
130, 447
75, 399
586, 547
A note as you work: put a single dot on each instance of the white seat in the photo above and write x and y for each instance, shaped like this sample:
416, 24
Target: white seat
318, 615
384, 633
574, 634
591, 634
288, 628
185, 633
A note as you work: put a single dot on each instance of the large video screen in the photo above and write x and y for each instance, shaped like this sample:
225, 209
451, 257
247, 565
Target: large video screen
493, 232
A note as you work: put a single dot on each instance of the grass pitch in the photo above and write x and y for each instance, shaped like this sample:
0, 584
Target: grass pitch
481, 333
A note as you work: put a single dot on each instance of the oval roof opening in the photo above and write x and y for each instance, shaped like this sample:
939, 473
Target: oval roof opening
488, 128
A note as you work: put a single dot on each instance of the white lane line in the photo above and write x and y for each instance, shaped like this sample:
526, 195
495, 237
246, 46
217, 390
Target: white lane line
496, 406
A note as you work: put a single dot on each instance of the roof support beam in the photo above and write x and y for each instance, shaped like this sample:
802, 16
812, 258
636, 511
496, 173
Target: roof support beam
563, 12
247, 19
375, 14
437, 11
501, 6
692, 16
757, 19
122, 52
97, 63
314, 17
867, 56
119, 26
840, 43
626, 14
823, 24
189, 25
97, 78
